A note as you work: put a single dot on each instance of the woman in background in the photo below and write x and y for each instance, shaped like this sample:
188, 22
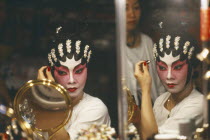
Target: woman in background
138, 47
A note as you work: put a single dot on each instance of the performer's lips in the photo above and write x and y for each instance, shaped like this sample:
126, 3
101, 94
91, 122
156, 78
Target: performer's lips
72, 89
171, 85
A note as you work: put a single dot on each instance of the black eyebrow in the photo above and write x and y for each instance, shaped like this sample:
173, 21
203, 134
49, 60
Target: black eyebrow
163, 62
77, 66
176, 62
172, 63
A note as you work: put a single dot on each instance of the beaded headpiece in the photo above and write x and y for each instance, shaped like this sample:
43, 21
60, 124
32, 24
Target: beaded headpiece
67, 50
65, 46
174, 45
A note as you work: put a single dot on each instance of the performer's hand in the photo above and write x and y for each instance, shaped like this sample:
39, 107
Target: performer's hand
45, 73
142, 75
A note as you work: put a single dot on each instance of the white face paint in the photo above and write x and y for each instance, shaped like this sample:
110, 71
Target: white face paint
72, 75
168, 60
173, 73
71, 64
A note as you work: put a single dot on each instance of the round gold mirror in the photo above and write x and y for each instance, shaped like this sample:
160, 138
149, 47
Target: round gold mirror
42, 107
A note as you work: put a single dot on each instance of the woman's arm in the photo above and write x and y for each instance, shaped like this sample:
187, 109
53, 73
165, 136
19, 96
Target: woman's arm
147, 123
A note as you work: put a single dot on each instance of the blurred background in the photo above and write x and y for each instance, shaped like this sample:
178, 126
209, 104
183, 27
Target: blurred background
26, 27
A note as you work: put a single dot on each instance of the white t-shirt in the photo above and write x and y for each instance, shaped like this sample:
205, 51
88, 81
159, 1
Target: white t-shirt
88, 111
143, 52
190, 107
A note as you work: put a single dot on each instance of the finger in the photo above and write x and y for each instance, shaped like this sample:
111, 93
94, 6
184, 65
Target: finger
49, 75
137, 68
145, 67
41, 75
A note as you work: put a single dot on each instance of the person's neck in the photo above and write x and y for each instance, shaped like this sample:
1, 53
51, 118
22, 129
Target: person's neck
133, 39
77, 99
176, 98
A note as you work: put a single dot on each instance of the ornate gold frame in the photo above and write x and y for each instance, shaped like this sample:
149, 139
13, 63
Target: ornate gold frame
24, 125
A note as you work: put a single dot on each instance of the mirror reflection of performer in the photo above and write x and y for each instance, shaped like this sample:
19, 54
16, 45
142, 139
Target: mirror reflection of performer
175, 61
139, 47
68, 62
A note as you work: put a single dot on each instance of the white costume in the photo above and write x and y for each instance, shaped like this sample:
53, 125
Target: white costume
143, 52
88, 111
190, 107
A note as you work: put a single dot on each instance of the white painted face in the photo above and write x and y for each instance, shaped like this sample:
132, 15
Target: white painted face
173, 73
72, 75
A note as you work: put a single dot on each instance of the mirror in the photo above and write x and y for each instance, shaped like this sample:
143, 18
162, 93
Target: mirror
42, 106
146, 22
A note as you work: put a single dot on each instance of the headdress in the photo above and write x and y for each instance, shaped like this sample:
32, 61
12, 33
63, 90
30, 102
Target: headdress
65, 48
176, 45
